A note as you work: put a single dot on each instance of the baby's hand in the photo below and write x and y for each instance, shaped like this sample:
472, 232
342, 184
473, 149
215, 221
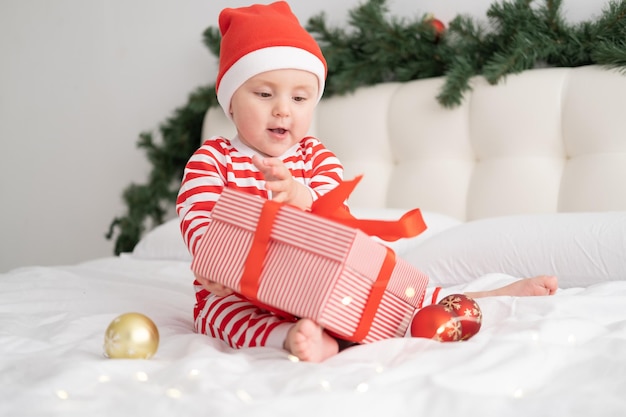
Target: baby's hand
213, 287
279, 181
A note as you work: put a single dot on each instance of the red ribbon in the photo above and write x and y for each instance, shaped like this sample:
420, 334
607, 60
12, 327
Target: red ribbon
375, 296
331, 205
249, 283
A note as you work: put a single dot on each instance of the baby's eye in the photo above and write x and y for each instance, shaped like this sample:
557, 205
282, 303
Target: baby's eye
298, 98
263, 94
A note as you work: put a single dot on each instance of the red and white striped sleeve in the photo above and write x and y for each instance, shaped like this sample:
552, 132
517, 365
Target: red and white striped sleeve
202, 183
315, 166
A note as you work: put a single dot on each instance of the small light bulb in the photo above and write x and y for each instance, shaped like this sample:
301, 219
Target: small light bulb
362, 387
62, 394
244, 396
173, 393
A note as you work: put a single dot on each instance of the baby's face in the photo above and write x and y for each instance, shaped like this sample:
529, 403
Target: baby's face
273, 110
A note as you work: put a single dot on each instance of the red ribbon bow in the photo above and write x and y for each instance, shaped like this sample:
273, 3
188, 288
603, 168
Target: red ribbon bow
331, 205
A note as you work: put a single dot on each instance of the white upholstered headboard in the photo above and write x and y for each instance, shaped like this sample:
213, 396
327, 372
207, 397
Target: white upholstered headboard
543, 141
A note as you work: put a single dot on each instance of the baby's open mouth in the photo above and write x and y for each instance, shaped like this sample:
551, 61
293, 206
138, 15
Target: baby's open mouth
279, 130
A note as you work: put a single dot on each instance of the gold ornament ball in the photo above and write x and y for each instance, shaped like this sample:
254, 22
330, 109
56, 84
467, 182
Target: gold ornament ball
131, 336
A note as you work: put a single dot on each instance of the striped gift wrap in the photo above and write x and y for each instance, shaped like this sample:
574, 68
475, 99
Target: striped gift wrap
313, 267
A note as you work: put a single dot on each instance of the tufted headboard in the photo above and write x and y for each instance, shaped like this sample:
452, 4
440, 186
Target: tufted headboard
543, 141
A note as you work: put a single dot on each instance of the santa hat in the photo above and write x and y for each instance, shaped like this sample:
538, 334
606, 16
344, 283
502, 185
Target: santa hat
262, 38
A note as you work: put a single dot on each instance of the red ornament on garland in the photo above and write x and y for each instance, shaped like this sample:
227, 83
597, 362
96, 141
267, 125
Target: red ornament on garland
436, 322
468, 312
437, 24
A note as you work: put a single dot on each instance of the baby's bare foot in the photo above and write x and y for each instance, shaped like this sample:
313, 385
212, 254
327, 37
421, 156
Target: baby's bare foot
309, 342
539, 285
535, 286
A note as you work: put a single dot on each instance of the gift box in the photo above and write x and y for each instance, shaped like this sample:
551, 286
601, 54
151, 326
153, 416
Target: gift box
308, 265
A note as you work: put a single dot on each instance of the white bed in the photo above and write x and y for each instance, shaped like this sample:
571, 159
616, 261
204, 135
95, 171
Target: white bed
524, 178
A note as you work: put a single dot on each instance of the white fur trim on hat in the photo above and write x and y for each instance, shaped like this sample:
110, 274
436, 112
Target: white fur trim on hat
268, 59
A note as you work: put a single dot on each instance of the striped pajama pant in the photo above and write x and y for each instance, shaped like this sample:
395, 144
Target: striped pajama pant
239, 323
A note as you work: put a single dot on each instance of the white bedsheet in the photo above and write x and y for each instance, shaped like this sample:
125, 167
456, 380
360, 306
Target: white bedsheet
559, 356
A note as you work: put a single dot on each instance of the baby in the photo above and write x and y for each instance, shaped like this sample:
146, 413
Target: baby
271, 77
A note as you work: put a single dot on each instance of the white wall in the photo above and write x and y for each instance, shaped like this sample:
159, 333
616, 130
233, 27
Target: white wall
79, 80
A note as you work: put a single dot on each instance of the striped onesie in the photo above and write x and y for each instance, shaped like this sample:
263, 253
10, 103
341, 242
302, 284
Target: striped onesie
220, 163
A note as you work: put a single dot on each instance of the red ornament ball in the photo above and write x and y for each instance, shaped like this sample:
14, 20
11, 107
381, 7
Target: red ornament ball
436, 322
437, 24
468, 312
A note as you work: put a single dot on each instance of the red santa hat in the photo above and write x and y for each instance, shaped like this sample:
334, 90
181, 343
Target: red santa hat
262, 38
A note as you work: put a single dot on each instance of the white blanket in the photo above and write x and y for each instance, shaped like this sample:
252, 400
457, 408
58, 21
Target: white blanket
560, 355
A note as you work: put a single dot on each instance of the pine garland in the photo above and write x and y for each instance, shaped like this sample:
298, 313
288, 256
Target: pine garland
374, 47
